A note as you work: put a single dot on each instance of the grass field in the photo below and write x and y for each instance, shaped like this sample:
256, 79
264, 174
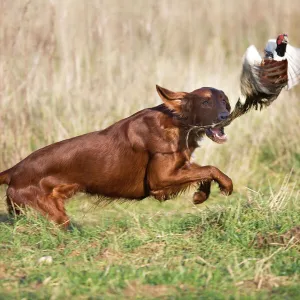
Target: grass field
69, 67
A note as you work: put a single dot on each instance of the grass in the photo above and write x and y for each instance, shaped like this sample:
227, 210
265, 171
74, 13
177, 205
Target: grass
71, 67
148, 250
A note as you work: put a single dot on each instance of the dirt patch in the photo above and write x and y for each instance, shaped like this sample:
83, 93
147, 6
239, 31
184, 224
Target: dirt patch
78, 252
75, 253
149, 249
3, 272
267, 282
109, 255
290, 237
136, 290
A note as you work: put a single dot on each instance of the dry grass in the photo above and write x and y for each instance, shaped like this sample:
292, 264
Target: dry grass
70, 67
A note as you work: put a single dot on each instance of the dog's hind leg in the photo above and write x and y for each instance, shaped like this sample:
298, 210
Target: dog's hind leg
49, 203
53, 209
14, 203
18, 199
53, 205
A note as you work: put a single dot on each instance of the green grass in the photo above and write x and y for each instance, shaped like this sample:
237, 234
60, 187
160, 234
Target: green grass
147, 250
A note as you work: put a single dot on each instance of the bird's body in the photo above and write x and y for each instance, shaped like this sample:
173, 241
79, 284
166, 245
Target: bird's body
263, 77
279, 50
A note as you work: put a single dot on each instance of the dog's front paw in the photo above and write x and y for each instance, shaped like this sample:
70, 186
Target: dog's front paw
226, 188
199, 197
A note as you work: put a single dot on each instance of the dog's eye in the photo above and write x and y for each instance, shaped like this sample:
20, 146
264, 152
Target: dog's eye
205, 103
224, 101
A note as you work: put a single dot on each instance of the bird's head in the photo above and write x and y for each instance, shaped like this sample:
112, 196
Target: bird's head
282, 39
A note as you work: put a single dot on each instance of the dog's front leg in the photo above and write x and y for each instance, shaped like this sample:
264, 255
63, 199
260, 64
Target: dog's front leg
168, 175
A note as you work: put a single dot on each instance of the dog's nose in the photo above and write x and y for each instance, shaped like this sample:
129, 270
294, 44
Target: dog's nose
223, 115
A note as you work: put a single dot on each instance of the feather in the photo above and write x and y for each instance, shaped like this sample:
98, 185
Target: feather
293, 56
271, 46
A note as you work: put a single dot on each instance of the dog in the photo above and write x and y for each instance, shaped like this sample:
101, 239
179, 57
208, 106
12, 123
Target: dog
146, 154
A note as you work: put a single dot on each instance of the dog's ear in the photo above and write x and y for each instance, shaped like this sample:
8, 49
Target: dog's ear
171, 99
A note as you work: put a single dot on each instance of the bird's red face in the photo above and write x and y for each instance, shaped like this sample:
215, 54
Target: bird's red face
282, 39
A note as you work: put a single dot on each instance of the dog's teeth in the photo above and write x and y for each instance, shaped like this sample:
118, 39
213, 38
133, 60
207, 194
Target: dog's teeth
223, 136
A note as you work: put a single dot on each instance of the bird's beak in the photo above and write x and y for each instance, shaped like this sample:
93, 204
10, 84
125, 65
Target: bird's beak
285, 40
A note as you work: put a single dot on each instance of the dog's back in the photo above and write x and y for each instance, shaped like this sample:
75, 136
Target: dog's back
111, 162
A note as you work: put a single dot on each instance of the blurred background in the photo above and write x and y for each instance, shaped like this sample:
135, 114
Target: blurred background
68, 67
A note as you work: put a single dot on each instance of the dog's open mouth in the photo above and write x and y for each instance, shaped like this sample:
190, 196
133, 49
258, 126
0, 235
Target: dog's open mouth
217, 135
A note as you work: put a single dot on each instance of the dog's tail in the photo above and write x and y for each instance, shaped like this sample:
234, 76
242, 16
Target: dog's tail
5, 176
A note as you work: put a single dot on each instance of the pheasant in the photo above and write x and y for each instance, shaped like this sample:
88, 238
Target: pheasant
262, 79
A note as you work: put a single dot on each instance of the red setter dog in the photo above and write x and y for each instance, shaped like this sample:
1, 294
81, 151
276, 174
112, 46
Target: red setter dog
146, 154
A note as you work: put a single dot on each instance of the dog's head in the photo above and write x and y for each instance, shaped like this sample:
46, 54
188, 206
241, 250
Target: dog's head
202, 107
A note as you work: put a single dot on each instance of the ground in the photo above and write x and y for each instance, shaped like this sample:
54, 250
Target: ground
238, 247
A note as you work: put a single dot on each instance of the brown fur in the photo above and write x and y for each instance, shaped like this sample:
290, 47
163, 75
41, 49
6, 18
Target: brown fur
146, 154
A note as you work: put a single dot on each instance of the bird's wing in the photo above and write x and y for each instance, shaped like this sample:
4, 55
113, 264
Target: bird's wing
250, 77
293, 56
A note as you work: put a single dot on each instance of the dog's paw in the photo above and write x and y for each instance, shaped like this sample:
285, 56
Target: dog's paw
199, 197
226, 189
